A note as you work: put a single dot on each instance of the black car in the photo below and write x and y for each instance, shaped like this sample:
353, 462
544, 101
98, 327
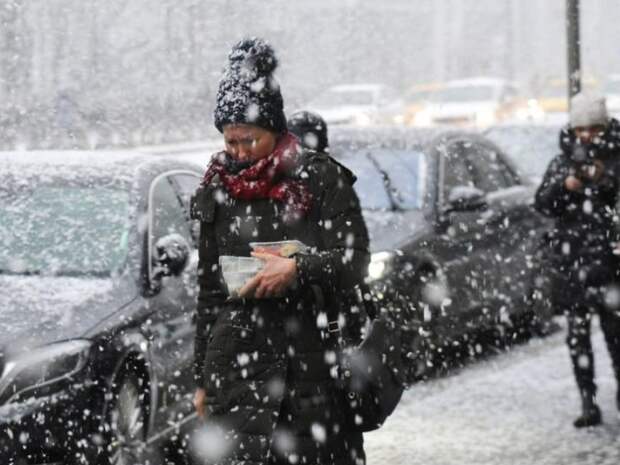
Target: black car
454, 236
97, 289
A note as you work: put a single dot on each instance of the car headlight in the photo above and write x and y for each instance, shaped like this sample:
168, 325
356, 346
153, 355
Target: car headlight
42, 367
423, 118
399, 119
362, 119
485, 117
379, 263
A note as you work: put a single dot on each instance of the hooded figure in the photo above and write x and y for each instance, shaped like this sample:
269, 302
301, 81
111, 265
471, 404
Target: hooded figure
265, 375
580, 191
311, 129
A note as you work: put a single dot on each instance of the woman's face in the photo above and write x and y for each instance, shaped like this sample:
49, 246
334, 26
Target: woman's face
587, 134
248, 143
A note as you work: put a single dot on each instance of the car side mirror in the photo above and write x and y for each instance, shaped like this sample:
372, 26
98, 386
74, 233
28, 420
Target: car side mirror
170, 256
465, 198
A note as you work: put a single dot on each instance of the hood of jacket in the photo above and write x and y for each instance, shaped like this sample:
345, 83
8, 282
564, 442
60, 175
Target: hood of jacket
604, 147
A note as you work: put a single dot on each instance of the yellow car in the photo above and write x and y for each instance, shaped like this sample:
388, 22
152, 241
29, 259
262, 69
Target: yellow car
477, 102
552, 97
417, 99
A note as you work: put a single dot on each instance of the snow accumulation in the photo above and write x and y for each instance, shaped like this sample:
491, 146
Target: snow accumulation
69, 157
516, 408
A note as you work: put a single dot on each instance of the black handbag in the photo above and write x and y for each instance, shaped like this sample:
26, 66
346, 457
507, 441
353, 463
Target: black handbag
370, 373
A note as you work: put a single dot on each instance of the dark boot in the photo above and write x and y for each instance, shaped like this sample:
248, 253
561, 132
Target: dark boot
590, 413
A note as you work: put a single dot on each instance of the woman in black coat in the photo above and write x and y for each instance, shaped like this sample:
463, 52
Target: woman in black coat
266, 377
580, 192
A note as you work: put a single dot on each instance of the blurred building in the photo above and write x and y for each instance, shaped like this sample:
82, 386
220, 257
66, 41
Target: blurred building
147, 70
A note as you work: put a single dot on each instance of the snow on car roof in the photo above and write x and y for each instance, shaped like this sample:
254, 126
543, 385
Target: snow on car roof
119, 164
370, 87
71, 157
477, 81
351, 137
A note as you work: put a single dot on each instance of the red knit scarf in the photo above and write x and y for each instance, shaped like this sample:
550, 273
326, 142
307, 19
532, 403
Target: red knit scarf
268, 178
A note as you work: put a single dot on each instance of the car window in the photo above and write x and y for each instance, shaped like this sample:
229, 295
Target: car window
490, 172
370, 186
457, 170
168, 214
531, 148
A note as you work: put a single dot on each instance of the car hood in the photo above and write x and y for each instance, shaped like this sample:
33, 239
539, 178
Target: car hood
388, 230
37, 310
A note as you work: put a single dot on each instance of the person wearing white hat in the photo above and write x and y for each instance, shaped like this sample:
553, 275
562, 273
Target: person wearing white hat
580, 191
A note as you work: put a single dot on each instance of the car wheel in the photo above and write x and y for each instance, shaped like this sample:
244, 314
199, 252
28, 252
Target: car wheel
126, 423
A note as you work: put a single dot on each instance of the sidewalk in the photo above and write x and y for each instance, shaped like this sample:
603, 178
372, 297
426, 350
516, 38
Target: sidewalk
515, 408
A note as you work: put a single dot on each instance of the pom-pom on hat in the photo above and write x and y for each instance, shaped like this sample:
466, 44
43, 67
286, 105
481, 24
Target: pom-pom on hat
248, 93
587, 110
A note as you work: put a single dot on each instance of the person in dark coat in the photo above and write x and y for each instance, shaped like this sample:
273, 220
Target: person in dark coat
266, 381
580, 190
311, 129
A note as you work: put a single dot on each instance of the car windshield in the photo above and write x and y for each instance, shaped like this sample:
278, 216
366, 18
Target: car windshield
420, 96
65, 230
334, 98
465, 94
388, 179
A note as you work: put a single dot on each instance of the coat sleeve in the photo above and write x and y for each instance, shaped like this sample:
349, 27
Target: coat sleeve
552, 197
210, 295
607, 189
342, 262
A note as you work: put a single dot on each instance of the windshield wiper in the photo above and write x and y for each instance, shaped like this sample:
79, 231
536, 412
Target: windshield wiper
63, 273
387, 182
21, 272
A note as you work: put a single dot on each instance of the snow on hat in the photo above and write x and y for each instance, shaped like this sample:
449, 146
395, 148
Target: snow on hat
248, 93
588, 109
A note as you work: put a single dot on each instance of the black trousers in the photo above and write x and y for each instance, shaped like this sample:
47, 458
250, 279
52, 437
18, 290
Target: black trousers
579, 304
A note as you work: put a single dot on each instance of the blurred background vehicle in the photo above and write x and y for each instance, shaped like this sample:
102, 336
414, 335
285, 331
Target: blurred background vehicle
612, 92
417, 98
476, 102
453, 235
359, 104
98, 278
551, 96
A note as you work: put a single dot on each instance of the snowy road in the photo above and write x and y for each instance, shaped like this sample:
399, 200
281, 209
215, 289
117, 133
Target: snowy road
515, 408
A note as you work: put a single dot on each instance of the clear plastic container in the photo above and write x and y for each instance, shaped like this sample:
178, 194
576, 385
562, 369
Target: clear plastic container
237, 271
281, 248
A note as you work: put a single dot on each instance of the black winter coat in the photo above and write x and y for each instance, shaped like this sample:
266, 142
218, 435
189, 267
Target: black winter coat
263, 363
582, 240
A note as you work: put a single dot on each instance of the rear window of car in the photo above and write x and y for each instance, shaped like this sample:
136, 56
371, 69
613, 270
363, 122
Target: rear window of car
407, 171
370, 185
388, 178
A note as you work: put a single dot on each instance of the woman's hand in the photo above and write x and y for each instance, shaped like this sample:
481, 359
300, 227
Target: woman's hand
572, 183
592, 172
199, 402
273, 280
